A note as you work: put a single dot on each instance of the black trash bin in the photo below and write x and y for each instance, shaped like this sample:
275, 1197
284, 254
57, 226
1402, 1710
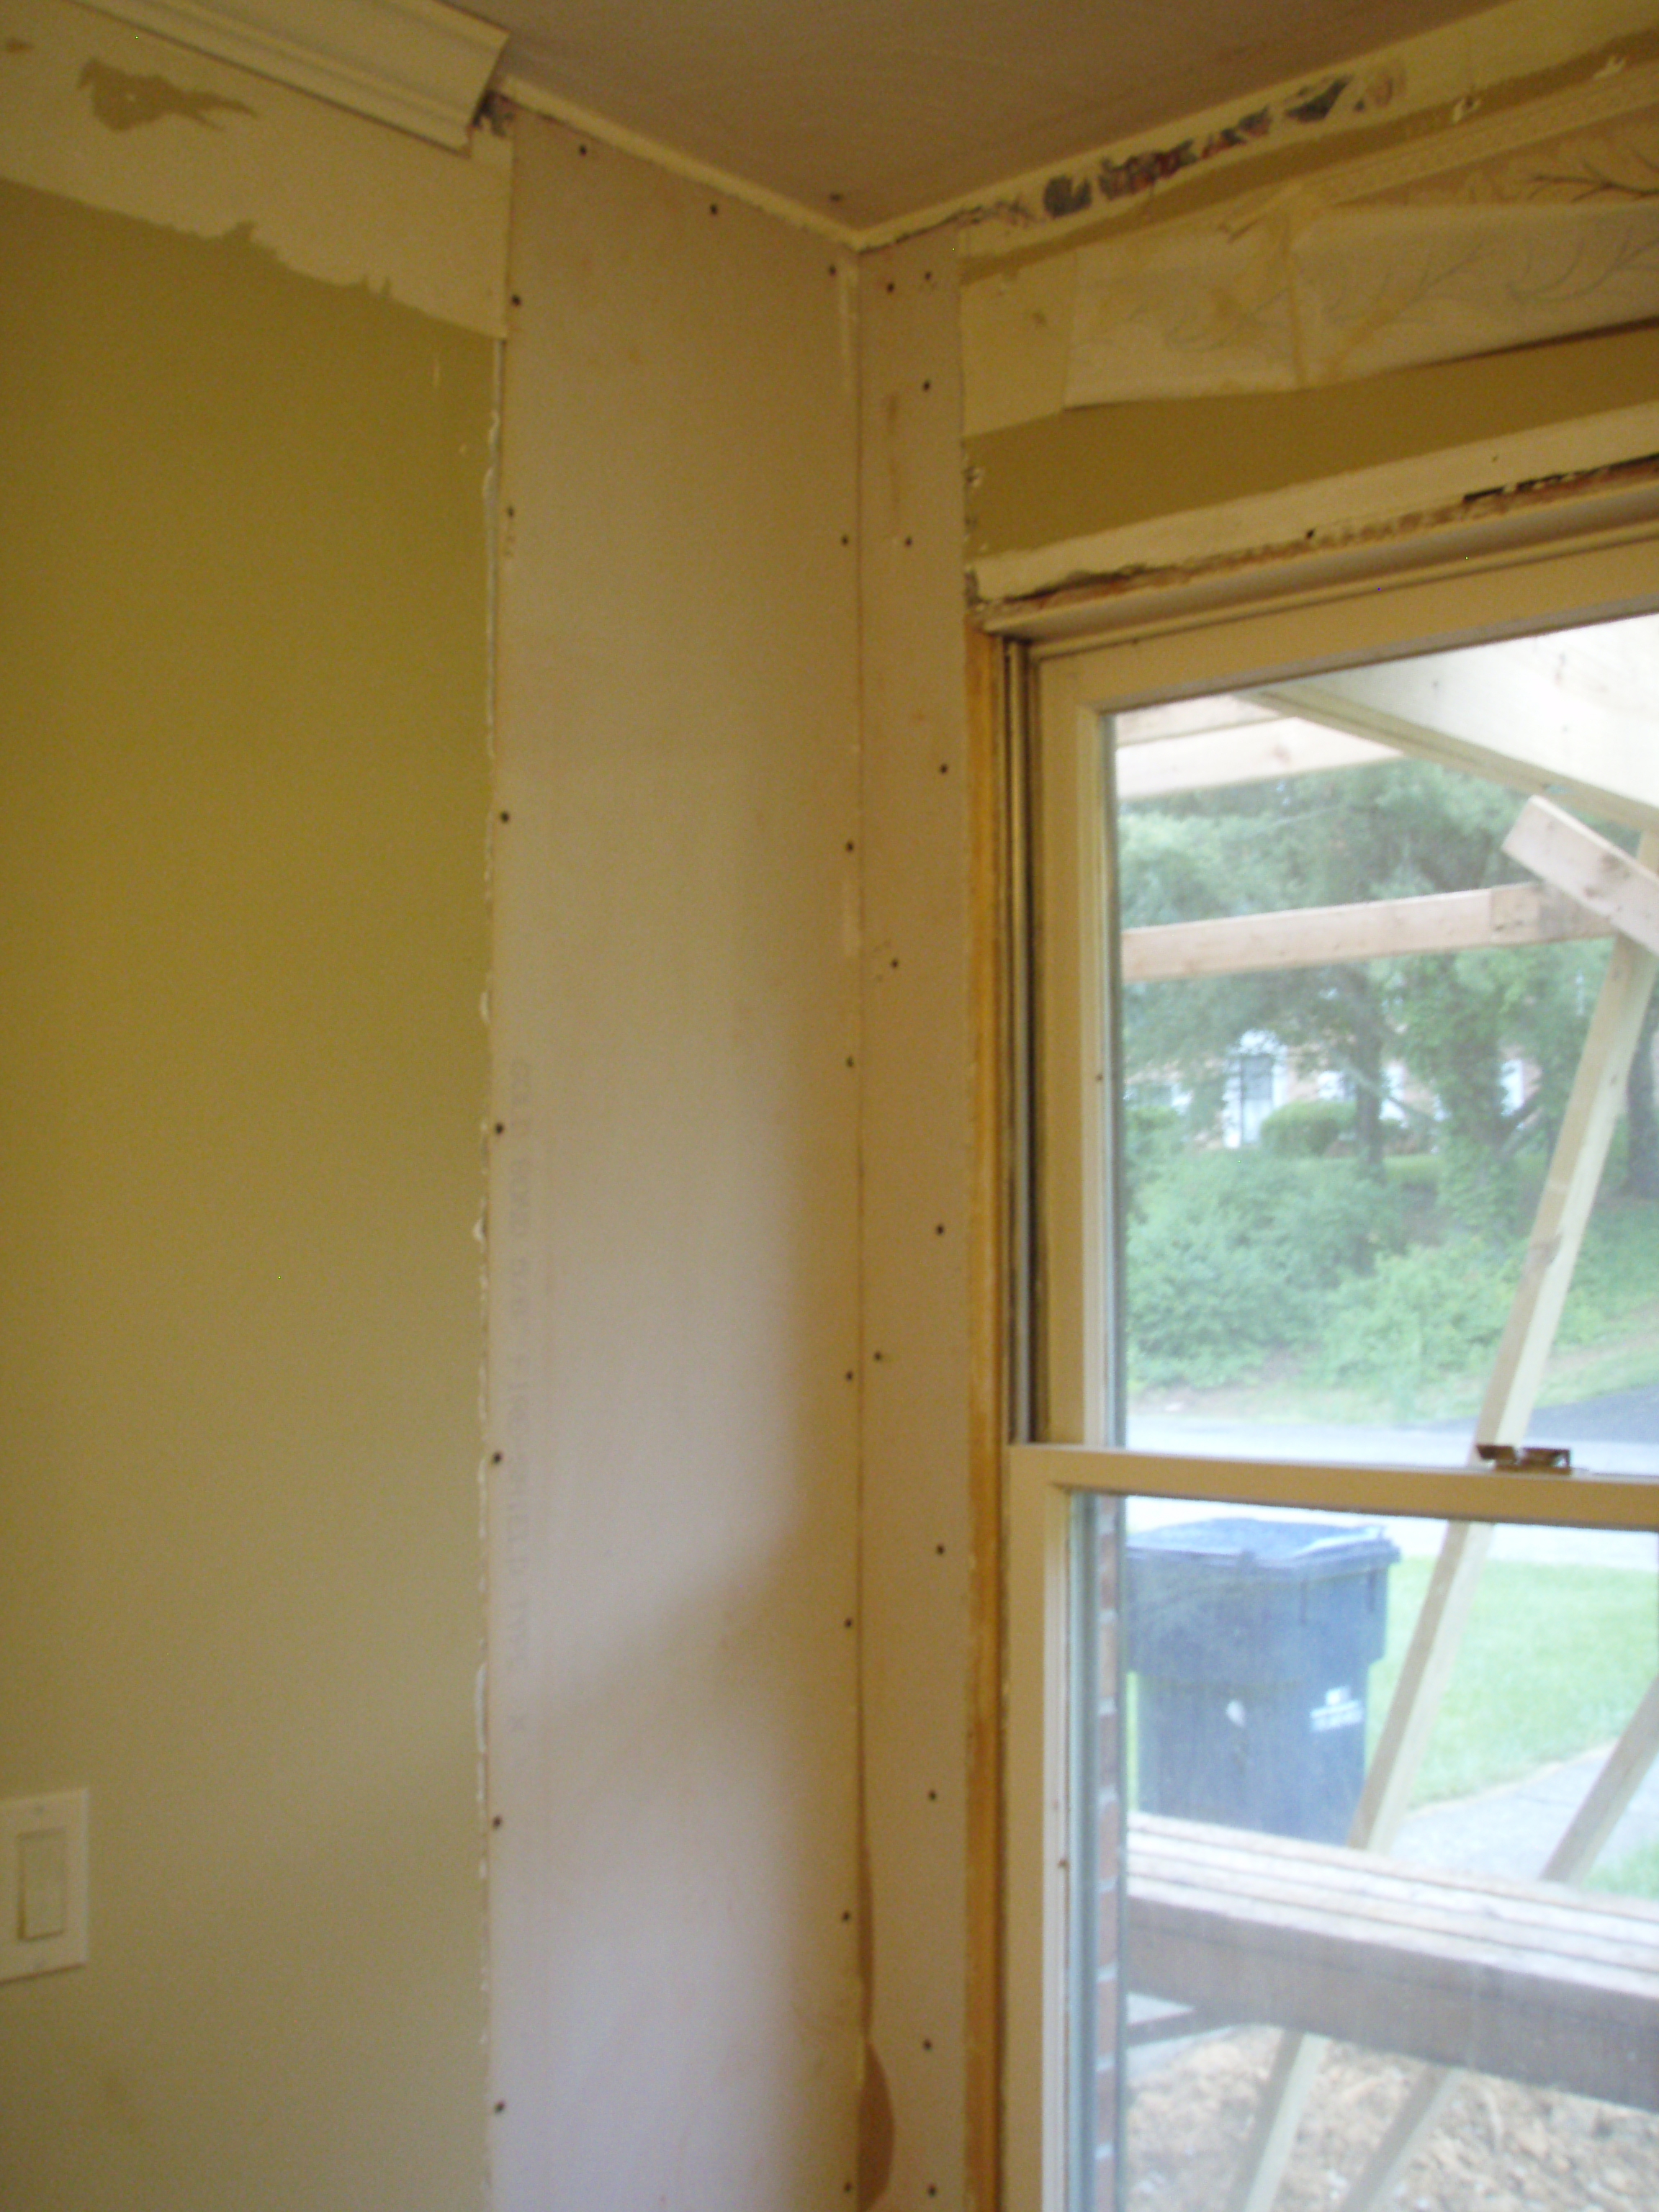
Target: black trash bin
1253, 1640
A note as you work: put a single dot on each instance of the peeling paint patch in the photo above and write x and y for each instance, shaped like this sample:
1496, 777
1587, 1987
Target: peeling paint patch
1139, 171
1068, 192
1066, 195
1314, 107
122, 101
332, 195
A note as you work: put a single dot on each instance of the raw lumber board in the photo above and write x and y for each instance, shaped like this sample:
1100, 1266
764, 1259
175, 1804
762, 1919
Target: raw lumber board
1383, 929
1526, 1980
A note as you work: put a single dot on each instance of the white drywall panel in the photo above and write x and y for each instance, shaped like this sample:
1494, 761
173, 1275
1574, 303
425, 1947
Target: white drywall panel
915, 1508
672, 1232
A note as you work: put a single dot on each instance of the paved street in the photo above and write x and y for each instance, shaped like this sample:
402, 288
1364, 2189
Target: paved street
1511, 1831
1616, 1435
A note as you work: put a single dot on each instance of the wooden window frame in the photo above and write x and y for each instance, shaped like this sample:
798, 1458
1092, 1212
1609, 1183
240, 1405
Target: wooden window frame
1065, 1428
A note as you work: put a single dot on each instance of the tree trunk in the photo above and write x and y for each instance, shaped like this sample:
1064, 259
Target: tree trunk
1642, 1125
1365, 1066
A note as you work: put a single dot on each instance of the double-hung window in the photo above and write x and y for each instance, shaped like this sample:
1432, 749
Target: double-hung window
1333, 1849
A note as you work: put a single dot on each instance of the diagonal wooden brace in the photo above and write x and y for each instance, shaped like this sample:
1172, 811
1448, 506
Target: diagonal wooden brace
1622, 1773
1571, 858
1564, 1207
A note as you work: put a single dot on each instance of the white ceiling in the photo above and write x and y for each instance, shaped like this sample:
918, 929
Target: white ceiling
868, 110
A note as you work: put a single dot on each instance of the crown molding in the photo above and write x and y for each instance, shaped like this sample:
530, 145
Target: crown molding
416, 65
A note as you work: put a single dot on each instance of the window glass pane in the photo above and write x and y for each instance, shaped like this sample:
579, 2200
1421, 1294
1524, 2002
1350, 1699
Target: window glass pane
1334, 1165
1503, 1927
1382, 1055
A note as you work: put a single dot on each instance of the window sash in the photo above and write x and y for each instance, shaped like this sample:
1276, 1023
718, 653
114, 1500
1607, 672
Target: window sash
1078, 1407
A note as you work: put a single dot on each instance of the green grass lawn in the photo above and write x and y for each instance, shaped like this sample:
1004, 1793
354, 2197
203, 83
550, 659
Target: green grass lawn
1552, 1663
1635, 1874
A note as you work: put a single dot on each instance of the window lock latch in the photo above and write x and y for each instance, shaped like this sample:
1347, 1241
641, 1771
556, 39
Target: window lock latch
1527, 1459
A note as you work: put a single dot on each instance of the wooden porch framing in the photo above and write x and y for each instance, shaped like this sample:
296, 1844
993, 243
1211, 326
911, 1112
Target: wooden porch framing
1587, 887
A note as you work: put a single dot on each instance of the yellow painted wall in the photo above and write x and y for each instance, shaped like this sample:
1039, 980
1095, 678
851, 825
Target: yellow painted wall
242, 943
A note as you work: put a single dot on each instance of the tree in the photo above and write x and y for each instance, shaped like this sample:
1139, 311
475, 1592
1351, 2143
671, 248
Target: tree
1642, 1155
1394, 830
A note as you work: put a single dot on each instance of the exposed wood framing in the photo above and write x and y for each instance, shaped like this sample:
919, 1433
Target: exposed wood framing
1317, 936
988, 1415
1423, 1676
1424, 2102
1569, 1187
1563, 1206
1625, 1767
1502, 713
1588, 868
1258, 752
1518, 1979
1617, 1784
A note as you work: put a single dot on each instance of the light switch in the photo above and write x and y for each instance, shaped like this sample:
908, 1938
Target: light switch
43, 1884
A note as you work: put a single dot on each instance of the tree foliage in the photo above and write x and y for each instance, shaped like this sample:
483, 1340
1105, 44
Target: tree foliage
1373, 1239
1420, 1042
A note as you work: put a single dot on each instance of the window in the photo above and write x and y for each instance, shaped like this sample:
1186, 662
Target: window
1334, 1041
1253, 1084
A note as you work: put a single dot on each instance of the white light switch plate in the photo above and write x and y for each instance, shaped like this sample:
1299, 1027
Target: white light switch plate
43, 1884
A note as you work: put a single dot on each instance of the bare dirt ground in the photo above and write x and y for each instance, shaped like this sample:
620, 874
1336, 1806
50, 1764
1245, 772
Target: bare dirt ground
1498, 2147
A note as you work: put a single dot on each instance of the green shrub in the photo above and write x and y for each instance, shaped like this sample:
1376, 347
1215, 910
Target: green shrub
1232, 1254
1237, 1257
1431, 1310
1152, 1135
1413, 1180
1413, 1170
1618, 1270
1306, 1128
